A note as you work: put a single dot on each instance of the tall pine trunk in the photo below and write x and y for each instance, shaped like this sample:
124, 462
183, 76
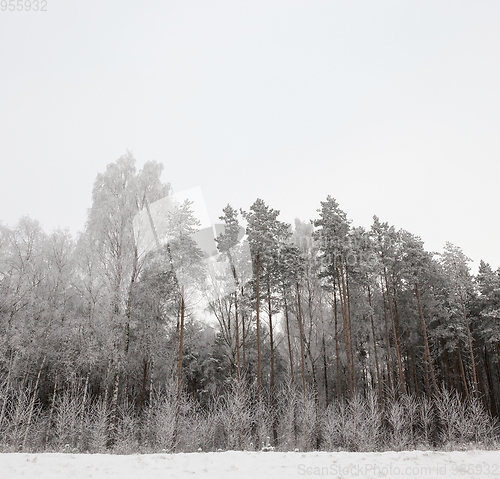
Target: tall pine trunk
471, 349
301, 332
288, 337
272, 379
337, 350
345, 317
396, 339
426, 342
379, 381
259, 359
462, 371
325, 371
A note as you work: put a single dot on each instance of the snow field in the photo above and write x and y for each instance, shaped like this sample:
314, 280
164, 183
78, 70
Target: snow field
254, 465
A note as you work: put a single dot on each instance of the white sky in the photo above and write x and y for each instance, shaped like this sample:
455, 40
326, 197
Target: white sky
391, 107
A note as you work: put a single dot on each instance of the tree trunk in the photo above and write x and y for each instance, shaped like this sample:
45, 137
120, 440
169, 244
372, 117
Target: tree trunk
462, 370
271, 381
181, 348
128, 310
426, 342
259, 361
237, 333
375, 345
348, 344
289, 341
301, 332
325, 371
415, 377
243, 333
179, 371
337, 351
396, 339
471, 349
388, 346
353, 369
493, 405
271, 338
449, 377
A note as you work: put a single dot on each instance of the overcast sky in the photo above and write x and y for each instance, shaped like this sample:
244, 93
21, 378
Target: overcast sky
391, 107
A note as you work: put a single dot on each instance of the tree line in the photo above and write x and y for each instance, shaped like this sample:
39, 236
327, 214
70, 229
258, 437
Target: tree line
331, 313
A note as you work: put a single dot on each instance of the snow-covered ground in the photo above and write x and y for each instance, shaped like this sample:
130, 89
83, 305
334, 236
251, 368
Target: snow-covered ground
254, 465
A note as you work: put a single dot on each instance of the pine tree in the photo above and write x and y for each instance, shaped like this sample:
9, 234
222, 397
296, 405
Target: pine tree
264, 235
416, 265
386, 240
332, 238
455, 266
